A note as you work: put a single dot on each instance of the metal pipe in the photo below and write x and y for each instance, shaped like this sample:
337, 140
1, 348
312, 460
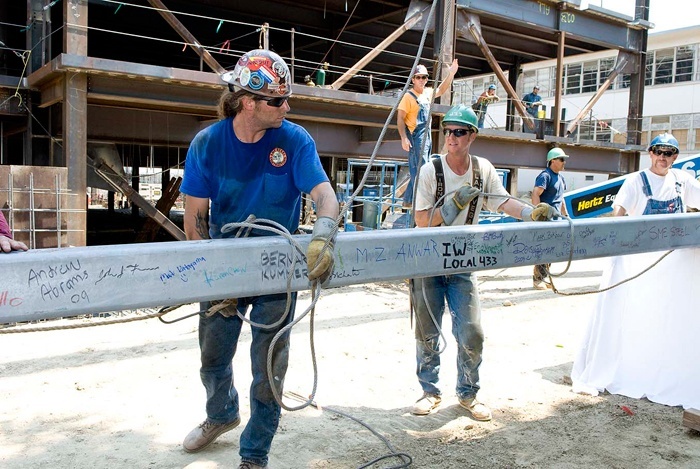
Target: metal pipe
560, 83
32, 219
49, 283
57, 186
292, 60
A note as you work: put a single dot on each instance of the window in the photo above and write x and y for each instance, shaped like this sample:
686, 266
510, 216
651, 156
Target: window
546, 80
589, 177
606, 66
542, 77
573, 79
477, 88
685, 56
649, 72
624, 80
590, 77
670, 65
462, 92
663, 67
529, 81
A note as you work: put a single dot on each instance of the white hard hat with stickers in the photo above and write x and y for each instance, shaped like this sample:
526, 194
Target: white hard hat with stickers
261, 72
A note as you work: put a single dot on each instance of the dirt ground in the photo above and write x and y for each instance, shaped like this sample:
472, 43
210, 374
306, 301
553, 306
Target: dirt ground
124, 396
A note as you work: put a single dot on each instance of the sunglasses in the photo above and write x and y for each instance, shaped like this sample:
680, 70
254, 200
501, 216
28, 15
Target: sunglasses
420, 77
274, 102
562, 160
666, 153
456, 132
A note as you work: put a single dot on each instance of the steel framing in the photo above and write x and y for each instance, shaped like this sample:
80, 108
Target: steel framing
52, 283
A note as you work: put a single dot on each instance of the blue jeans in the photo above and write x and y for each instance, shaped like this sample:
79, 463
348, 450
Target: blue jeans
415, 159
218, 340
482, 117
463, 303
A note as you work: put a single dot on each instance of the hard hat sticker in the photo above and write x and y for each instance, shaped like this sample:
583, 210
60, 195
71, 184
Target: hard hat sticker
267, 74
280, 69
256, 81
244, 77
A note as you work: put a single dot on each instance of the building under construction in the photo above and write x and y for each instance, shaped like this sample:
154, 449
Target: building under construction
94, 91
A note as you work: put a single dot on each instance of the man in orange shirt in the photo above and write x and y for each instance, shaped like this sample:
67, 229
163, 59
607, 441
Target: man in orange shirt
414, 124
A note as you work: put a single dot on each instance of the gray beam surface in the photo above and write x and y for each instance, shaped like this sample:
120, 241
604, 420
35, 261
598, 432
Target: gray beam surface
607, 32
49, 283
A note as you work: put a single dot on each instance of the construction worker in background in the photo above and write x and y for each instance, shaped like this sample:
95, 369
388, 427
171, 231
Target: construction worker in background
549, 188
641, 340
252, 162
413, 121
533, 101
7, 244
460, 178
482, 103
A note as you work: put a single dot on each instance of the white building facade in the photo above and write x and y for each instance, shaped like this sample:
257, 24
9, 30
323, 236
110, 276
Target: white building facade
671, 97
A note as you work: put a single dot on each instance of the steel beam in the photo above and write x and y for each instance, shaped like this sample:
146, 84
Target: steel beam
187, 36
345, 77
591, 26
472, 25
49, 283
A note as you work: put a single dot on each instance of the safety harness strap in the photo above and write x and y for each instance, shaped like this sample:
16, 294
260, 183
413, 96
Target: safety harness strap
477, 182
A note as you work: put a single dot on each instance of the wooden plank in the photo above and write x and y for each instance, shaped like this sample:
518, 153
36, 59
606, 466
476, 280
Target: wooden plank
691, 419
165, 203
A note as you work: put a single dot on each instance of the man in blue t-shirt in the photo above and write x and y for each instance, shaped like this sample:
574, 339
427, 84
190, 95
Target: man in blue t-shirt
252, 162
532, 101
549, 188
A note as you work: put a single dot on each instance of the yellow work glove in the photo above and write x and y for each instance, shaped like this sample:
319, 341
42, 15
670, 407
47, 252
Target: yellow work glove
541, 212
321, 268
461, 199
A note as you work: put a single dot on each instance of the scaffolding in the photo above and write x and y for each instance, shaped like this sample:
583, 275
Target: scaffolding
39, 214
378, 195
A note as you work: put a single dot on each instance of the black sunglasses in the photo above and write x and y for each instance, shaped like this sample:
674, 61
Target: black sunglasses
456, 132
563, 160
420, 77
274, 102
666, 153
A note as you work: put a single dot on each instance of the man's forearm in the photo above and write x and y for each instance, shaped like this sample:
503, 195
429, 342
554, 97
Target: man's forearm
326, 201
197, 226
401, 125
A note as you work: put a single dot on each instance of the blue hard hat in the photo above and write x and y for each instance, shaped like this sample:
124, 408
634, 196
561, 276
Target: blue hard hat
664, 140
492, 86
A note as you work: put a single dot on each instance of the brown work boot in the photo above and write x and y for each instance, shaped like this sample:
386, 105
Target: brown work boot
205, 434
478, 410
426, 404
